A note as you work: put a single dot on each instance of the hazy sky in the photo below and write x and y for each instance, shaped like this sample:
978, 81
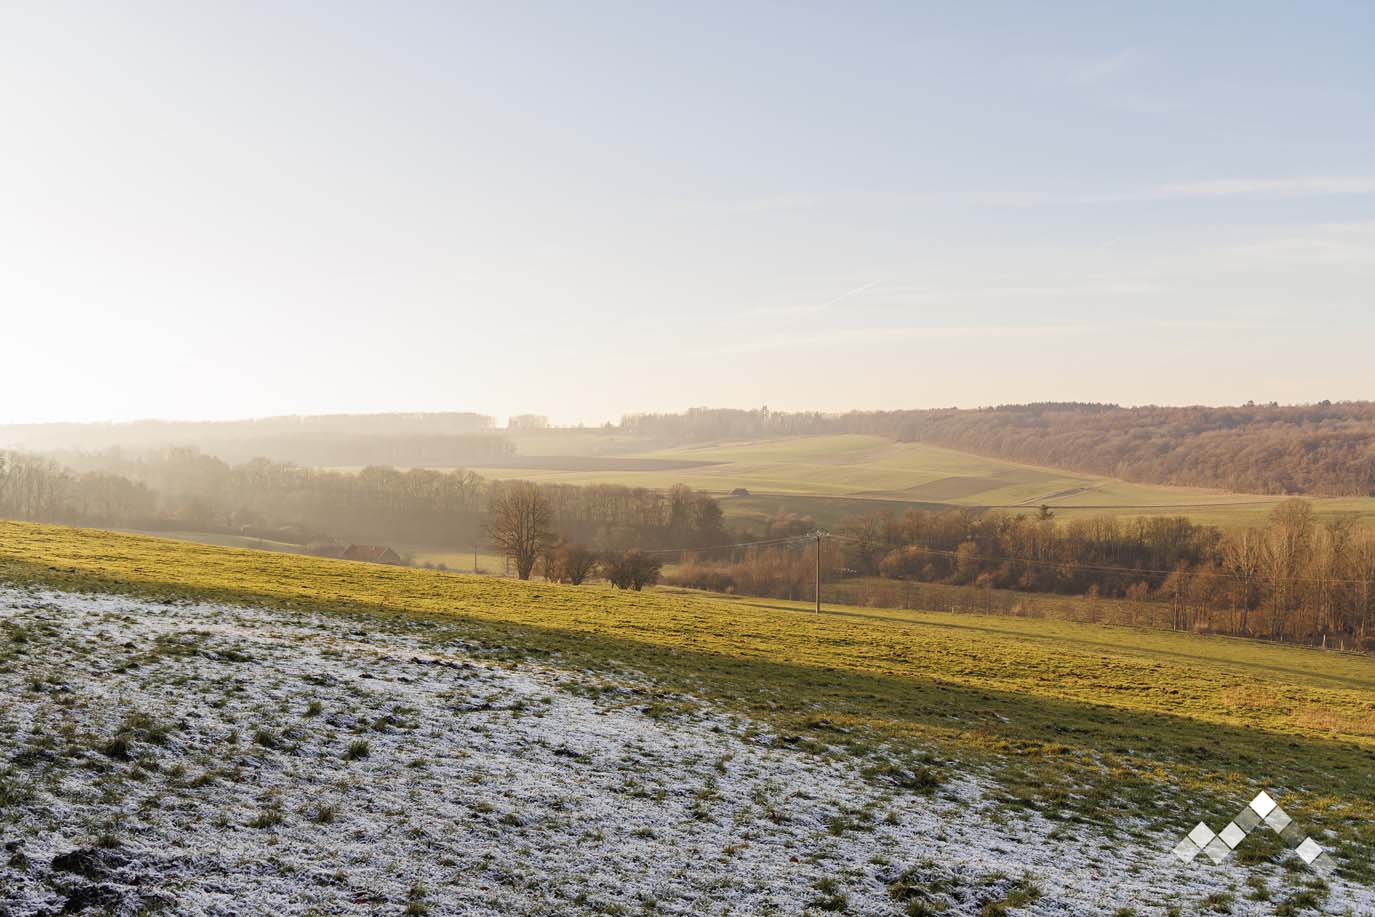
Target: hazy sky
237, 209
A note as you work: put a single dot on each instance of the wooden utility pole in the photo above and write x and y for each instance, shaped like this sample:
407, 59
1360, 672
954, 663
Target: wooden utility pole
819, 535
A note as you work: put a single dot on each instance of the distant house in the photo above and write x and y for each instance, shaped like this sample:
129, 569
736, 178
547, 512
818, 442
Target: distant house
373, 554
740, 492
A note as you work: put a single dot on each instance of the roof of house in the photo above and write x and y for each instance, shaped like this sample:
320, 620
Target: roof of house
377, 554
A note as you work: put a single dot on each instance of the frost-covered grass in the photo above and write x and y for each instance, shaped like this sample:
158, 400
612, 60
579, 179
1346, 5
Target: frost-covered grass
203, 758
1079, 741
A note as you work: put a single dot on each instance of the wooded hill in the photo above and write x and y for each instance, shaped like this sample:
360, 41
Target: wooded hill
1322, 449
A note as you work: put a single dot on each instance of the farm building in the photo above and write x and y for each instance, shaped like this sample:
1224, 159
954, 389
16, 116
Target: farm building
372, 553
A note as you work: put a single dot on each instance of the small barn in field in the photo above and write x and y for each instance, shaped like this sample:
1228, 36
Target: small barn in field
373, 554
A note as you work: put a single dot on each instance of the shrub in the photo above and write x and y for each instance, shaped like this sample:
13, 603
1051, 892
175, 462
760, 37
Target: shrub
569, 563
632, 570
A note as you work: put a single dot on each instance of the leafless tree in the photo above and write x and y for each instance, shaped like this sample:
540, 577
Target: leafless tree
520, 522
1363, 587
569, 563
1243, 557
1288, 547
632, 570
32, 486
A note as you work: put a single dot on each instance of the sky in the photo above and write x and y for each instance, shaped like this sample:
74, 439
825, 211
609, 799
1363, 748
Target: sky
582, 209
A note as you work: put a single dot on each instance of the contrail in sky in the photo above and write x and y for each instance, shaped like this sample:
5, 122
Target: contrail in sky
806, 310
847, 294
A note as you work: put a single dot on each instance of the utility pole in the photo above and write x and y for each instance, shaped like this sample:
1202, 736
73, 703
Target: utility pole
819, 535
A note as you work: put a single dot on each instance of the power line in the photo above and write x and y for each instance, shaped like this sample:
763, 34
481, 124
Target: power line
739, 544
819, 536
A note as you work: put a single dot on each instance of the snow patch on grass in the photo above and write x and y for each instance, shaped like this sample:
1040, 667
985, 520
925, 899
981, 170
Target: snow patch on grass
212, 759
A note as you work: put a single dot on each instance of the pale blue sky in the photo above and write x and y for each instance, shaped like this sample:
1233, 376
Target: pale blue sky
223, 210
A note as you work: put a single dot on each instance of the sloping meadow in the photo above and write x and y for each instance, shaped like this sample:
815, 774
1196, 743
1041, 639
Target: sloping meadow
337, 736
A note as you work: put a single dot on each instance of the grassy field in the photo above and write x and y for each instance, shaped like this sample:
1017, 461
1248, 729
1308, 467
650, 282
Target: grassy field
461, 561
878, 468
848, 474
223, 540
488, 564
1080, 723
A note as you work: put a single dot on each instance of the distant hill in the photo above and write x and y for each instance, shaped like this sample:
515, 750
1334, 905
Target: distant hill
432, 439
1325, 449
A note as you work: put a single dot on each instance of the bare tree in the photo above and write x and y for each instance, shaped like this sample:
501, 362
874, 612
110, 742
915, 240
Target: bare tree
1329, 560
632, 570
1288, 547
32, 486
1176, 589
520, 522
1243, 556
569, 563
1363, 592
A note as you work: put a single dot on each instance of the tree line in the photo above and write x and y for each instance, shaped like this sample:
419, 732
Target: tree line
450, 439
697, 425
1293, 578
183, 488
1320, 449
336, 449
522, 522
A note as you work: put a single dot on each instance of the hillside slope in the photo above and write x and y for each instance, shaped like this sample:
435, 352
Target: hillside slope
1322, 449
799, 754
832, 477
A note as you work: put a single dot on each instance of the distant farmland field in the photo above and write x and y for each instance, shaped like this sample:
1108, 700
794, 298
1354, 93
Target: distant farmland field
835, 476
